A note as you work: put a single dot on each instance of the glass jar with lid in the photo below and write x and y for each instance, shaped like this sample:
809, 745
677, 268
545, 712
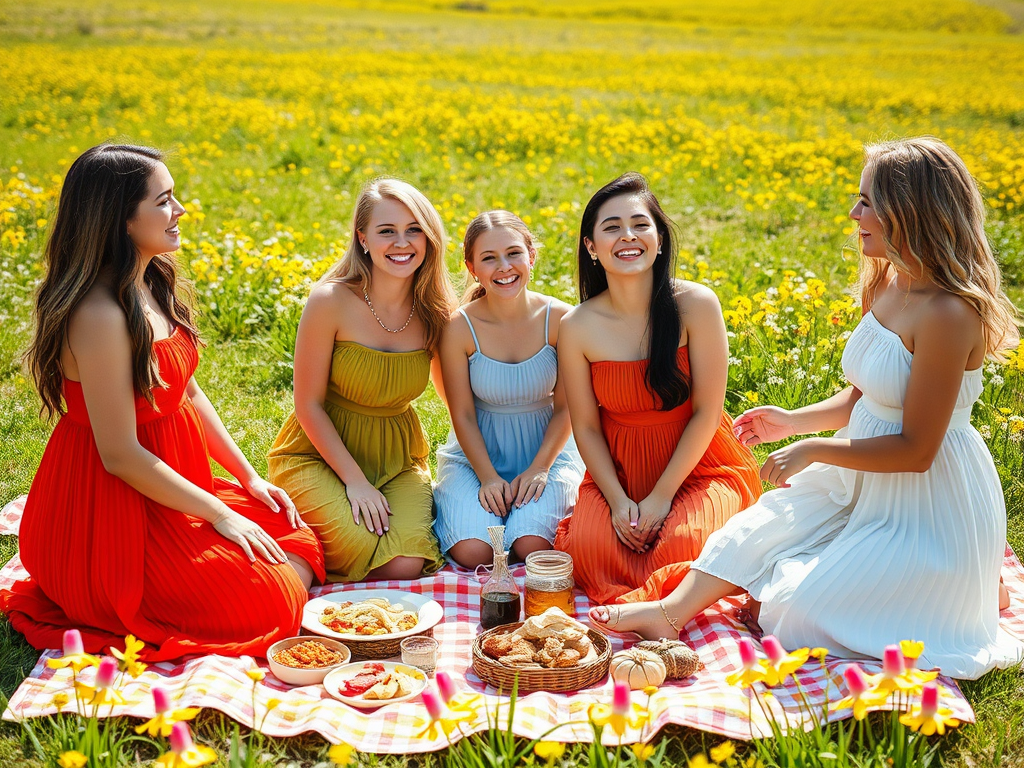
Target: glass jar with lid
549, 583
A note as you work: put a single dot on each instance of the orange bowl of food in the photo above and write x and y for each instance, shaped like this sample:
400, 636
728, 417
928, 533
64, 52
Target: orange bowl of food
306, 660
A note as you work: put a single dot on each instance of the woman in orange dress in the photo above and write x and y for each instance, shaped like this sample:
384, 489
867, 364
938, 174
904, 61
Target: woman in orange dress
125, 528
644, 358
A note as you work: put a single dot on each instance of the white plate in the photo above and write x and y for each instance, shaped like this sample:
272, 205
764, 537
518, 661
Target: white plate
429, 612
334, 678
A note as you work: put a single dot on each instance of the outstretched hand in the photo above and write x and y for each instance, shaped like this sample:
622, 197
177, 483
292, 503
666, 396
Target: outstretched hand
764, 424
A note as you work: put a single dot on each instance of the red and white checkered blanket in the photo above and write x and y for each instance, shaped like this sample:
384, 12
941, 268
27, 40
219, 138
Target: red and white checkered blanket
704, 701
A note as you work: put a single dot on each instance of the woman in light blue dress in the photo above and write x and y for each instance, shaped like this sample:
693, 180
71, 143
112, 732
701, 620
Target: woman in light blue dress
510, 459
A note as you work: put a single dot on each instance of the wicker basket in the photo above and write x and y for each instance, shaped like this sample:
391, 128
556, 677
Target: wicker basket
575, 678
378, 650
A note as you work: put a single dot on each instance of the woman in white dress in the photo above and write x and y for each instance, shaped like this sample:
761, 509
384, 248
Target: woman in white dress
895, 527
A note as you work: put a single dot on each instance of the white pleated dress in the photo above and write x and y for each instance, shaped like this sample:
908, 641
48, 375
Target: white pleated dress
854, 561
514, 404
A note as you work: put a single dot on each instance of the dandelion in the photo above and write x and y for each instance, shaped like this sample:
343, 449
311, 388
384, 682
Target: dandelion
184, 752
74, 654
928, 717
72, 759
342, 754
165, 718
722, 752
643, 752
549, 751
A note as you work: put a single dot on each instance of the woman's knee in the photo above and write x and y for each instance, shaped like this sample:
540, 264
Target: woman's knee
399, 569
469, 553
526, 545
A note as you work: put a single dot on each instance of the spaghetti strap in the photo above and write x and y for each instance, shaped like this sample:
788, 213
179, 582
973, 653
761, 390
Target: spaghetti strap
547, 324
472, 330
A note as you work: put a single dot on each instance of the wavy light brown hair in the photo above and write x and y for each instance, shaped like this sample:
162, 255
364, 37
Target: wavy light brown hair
432, 287
101, 193
933, 223
485, 222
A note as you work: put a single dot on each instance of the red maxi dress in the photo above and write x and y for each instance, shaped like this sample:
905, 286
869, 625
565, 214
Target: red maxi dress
109, 561
641, 440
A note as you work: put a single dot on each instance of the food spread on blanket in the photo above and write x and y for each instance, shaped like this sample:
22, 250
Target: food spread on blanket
310, 654
374, 681
550, 640
374, 616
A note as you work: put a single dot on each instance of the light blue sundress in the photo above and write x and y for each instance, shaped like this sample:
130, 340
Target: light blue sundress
514, 403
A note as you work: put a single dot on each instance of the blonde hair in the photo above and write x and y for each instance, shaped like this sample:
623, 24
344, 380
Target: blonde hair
933, 223
485, 222
432, 287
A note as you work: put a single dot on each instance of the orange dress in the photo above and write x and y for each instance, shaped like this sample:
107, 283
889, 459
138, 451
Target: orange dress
641, 440
109, 561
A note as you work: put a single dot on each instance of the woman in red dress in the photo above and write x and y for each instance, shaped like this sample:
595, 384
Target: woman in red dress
125, 528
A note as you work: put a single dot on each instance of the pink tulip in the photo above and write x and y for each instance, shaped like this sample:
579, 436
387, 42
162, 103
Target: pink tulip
73, 643
930, 699
433, 704
161, 703
445, 686
856, 680
181, 738
773, 648
748, 656
892, 661
107, 673
620, 698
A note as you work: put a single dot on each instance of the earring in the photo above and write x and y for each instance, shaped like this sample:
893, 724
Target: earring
593, 257
476, 279
365, 249
659, 250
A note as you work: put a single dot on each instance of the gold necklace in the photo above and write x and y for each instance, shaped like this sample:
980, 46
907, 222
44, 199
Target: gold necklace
366, 298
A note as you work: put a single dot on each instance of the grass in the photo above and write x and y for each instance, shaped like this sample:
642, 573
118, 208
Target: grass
750, 128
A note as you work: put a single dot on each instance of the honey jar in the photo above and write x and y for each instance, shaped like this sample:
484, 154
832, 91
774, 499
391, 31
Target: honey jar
549, 583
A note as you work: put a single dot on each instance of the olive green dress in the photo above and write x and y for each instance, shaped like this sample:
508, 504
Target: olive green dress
369, 398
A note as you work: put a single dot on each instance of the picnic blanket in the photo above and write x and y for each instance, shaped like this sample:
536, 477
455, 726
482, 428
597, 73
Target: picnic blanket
705, 701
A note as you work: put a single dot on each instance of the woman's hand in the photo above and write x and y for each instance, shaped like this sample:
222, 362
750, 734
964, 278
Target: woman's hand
496, 496
276, 499
782, 464
529, 486
625, 517
371, 504
250, 537
653, 512
765, 424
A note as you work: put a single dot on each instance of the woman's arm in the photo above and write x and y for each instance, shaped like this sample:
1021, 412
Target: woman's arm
495, 494
530, 484
226, 453
945, 335
709, 361
769, 424
99, 341
314, 353
574, 374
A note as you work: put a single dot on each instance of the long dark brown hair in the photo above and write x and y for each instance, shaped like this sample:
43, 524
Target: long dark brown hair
101, 193
664, 325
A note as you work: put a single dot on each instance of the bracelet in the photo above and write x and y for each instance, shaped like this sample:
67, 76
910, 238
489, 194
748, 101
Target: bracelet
661, 604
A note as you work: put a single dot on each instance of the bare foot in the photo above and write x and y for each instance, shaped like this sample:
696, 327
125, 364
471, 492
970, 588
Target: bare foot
646, 619
1004, 597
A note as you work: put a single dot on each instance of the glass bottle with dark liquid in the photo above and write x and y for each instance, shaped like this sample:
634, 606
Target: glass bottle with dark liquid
499, 597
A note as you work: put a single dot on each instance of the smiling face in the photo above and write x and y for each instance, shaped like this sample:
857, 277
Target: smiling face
154, 227
394, 238
625, 237
872, 243
501, 261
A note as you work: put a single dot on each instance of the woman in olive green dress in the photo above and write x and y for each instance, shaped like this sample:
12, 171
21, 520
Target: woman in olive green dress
353, 455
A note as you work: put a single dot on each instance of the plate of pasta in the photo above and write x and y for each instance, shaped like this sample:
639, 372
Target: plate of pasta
371, 614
